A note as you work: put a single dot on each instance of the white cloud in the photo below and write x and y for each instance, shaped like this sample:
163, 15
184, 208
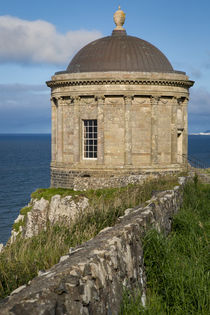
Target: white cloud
39, 41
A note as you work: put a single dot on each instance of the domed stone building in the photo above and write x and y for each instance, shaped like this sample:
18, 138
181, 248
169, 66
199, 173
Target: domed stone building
119, 111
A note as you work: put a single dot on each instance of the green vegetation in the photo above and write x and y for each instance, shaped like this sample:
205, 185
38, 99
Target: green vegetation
21, 261
25, 210
110, 193
48, 193
206, 170
16, 226
177, 266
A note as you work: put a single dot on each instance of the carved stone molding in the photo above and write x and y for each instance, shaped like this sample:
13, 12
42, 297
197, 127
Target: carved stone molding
163, 101
141, 100
128, 99
54, 101
178, 83
114, 100
76, 100
154, 99
87, 100
100, 97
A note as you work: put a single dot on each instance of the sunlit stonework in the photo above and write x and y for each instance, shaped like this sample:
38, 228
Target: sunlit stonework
119, 19
119, 113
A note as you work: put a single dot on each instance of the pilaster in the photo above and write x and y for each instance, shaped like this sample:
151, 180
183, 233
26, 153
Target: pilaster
59, 129
154, 129
53, 128
185, 131
76, 139
174, 106
128, 130
100, 104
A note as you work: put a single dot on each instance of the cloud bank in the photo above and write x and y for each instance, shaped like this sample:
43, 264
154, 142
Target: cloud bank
199, 101
39, 41
24, 108
199, 110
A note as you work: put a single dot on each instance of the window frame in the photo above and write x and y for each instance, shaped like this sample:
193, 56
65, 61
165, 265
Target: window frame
87, 124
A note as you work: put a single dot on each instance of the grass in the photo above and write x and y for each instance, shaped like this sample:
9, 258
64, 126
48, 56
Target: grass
16, 226
21, 261
177, 266
108, 193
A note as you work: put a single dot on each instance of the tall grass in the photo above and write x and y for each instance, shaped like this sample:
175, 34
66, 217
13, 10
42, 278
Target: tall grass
177, 266
21, 261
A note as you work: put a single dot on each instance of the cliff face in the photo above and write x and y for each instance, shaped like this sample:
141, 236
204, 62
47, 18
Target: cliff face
39, 213
91, 278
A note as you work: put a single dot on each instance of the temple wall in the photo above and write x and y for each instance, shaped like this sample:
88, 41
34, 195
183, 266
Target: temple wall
142, 126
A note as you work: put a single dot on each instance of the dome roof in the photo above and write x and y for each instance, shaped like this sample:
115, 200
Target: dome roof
119, 52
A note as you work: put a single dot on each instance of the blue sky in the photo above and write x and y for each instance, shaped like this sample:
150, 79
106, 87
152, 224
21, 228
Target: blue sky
38, 38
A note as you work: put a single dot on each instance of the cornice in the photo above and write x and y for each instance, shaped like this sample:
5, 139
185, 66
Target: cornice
162, 82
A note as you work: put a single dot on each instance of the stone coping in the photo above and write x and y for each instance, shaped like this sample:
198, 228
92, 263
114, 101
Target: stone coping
121, 75
121, 169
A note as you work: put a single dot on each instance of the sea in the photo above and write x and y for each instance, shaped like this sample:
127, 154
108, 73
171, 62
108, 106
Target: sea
25, 166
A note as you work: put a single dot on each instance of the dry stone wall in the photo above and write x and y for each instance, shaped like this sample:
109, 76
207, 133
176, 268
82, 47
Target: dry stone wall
91, 278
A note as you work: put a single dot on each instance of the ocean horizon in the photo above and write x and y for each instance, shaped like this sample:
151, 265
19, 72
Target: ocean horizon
25, 166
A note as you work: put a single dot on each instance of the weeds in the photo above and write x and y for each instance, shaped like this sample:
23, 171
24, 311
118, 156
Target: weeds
177, 266
21, 261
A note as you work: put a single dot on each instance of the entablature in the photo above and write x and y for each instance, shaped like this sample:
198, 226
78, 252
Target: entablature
163, 82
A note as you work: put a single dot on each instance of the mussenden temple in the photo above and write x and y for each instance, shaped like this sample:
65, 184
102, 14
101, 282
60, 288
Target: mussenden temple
119, 113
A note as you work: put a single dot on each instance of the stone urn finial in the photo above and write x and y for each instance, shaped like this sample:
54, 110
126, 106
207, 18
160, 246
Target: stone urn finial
119, 19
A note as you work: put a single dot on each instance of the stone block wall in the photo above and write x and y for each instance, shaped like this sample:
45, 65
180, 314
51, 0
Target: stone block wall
88, 179
91, 278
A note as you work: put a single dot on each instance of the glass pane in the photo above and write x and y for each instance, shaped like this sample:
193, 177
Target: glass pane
90, 138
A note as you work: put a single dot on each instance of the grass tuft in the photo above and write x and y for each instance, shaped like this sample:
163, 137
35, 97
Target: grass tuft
177, 266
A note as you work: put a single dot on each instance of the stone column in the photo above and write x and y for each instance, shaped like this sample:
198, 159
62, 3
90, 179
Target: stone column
76, 140
59, 130
174, 105
128, 130
100, 102
185, 131
53, 128
154, 129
